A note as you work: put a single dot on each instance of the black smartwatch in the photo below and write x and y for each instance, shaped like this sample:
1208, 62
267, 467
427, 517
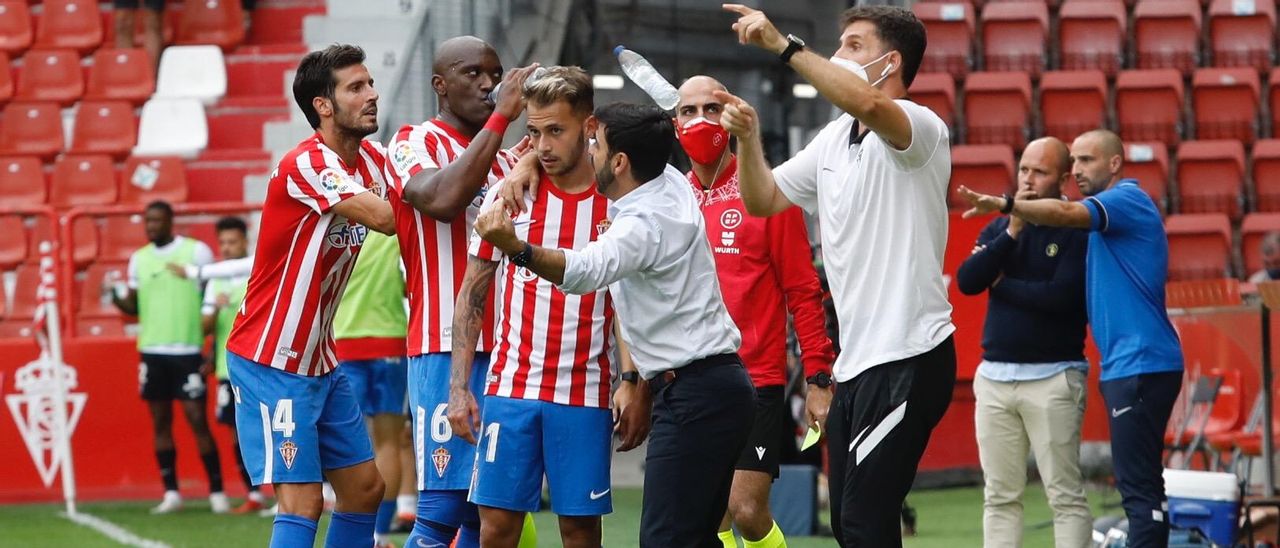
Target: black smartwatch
821, 379
524, 257
632, 377
1008, 204
794, 44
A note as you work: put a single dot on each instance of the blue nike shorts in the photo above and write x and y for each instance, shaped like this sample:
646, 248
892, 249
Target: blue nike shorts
445, 461
523, 439
380, 385
292, 427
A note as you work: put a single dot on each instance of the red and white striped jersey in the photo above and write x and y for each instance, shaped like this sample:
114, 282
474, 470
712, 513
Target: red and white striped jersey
435, 253
304, 256
551, 346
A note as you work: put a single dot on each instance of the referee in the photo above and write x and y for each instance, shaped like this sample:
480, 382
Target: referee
655, 258
876, 178
1126, 268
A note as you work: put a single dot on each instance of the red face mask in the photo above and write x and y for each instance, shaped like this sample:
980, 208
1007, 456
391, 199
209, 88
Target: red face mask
703, 140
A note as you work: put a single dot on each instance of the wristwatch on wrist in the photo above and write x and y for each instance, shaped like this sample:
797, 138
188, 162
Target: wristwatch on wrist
524, 257
794, 44
1008, 204
632, 377
821, 379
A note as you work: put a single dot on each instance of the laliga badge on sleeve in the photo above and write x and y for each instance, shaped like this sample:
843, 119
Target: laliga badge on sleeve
811, 438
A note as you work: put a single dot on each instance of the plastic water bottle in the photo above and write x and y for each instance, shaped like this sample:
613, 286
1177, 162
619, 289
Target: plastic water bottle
538, 73
644, 75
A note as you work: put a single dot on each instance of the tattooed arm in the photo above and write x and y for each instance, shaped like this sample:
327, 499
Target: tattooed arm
468, 317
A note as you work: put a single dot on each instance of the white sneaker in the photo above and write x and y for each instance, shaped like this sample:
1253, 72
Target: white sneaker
218, 503
269, 512
172, 502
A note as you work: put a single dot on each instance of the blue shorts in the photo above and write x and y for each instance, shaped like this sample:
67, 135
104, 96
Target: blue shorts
522, 439
380, 385
293, 427
445, 461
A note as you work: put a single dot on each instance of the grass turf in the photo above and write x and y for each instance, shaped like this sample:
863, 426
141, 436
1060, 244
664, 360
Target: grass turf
950, 518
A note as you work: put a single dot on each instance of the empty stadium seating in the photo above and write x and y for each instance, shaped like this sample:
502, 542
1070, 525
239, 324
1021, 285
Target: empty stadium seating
6, 79
13, 251
71, 24
950, 27
1149, 164
1015, 36
51, 75
119, 236
217, 22
146, 179
1091, 35
22, 182
121, 74
1225, 103
1199, 246
16, 31
934, 90
192, 72
1211, 177
1242, 33
84, 243
172, 127
86, 180
31, 129
1167, 34
104, 127
1252, 230
1072, 102
1149, 105
988, 169
1273, 100
997, 108
1266, 174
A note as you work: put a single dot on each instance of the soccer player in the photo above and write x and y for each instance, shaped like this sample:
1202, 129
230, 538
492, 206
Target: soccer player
298, 422
222, 298
440, 172
546, 404
168, 310
369, 332
765, 270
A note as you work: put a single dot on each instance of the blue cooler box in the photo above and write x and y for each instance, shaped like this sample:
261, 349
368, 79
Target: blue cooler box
1209, 501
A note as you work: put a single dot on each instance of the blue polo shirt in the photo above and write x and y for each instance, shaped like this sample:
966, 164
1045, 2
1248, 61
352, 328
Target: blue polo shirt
1125, 272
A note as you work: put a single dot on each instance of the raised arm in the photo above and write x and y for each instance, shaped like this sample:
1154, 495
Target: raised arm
1037, 212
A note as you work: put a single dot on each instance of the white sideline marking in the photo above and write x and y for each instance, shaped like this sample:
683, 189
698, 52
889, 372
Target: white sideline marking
112, 531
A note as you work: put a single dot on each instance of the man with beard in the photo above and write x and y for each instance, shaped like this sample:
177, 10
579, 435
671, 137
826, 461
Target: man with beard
297, 421
439, 173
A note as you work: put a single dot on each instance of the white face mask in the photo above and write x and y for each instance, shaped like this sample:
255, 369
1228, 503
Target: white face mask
858, 69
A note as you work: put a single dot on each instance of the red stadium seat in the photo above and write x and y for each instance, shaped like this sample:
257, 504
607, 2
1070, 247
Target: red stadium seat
1266, 174
1015, 36
70, 24
1149, 164
15, 26
84, 242
22, 182
121, 74
1167, 34
217, 22
94, 287
936, 91
6, 79
1252, 230
1241, 33
950, 27
1091, 35
237, 122
1211, 177
87, 180
1199, 246
987, 169
1073, 102
13, 251
105, 127
31, 129
119, 236
51, 75
40, 234
997, 107
1273, 100
1225, 103
23, 304
1149, 105
146, 179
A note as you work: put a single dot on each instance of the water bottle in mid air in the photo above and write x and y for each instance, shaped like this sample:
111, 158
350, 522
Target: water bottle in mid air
644, 75
538, 73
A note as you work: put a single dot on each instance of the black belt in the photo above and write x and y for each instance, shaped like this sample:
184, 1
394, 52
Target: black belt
695, 367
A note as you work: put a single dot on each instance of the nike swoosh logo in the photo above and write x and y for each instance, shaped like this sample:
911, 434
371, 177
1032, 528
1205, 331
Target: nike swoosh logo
596, 496
1117, 412
422, 543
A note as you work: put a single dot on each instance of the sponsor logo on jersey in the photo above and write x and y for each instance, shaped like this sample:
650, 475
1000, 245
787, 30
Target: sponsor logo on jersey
346, 235
332, 181
730, 219
403, 157
727, 237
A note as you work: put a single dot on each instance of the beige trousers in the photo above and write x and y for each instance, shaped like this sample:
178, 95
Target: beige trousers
1044, 417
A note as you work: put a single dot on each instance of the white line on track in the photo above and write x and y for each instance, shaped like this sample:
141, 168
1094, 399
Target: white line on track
112, 531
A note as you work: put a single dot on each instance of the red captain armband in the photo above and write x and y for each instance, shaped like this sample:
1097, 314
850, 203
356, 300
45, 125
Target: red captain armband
497, 123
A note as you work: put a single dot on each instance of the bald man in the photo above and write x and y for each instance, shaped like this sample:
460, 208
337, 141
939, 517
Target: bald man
765, 270
1030, 385
1270, 259
1127, 266
440, 171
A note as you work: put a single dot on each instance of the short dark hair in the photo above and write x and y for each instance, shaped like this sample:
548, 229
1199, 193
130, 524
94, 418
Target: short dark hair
162, 206
231, 223
315, 76
898, 28
643, 132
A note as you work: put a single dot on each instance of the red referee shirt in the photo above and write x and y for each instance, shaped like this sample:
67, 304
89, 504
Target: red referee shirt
765, 270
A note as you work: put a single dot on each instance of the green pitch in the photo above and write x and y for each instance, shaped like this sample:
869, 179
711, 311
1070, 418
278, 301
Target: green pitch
948, 518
